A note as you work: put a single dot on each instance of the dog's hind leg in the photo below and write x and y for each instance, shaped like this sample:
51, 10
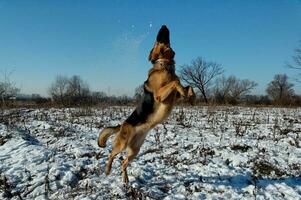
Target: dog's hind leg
133, 149
119, 145
131, 155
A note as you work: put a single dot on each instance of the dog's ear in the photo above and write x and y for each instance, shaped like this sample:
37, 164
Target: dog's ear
169, 54
151, 57
154, 53
163, 35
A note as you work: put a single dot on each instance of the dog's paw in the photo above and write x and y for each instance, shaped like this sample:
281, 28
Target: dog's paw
125, 178
158, 98
183, 92
108, 170
190, 95
192, 100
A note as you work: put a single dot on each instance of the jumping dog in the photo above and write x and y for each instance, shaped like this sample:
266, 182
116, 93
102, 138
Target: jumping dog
162, 89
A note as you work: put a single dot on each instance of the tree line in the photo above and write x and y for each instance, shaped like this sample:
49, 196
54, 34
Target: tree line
211, 86
74, 91
214, 87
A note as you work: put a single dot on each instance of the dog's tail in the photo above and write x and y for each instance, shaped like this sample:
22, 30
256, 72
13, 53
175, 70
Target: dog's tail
105, 134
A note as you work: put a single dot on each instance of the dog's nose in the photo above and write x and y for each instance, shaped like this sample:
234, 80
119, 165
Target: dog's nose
163, 35
164, 27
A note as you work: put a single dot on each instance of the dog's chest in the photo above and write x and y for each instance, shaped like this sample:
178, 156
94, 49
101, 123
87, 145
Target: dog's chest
159, 79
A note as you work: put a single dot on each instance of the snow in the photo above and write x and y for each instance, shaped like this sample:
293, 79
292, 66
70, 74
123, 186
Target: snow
198, 153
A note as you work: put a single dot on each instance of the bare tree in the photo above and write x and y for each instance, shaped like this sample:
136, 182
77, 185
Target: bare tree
7, 87
200, 74
77, 88
59, 88
231, 89
280, 90
70, 91
296, 62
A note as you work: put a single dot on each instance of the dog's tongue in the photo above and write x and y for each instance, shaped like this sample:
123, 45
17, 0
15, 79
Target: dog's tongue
163, 35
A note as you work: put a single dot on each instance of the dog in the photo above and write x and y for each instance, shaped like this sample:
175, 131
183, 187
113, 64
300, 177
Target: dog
162, 90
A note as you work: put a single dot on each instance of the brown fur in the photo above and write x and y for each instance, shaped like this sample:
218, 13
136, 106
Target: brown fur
166, 88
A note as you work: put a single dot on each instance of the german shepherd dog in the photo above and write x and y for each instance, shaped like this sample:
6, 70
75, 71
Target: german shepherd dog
161, 91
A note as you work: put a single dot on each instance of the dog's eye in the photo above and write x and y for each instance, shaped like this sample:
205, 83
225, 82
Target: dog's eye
162, 51
169, 53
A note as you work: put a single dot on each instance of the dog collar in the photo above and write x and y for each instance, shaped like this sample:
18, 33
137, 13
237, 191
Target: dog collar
164, 64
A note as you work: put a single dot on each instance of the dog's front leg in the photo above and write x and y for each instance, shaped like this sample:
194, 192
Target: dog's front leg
190, 94
166, 90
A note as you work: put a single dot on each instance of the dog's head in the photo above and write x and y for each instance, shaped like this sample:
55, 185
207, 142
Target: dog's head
162, 49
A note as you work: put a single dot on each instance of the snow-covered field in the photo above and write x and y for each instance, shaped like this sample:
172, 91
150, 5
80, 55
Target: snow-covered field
198, 153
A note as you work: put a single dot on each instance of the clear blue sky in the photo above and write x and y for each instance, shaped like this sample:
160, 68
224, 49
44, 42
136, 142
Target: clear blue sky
107, 42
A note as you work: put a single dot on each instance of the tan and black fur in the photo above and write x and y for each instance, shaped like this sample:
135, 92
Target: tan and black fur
161, 91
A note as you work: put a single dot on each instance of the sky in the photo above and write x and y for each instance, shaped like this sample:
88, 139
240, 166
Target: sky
107, 43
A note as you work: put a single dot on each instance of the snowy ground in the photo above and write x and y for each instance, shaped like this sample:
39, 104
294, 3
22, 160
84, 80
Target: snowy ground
199, 153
